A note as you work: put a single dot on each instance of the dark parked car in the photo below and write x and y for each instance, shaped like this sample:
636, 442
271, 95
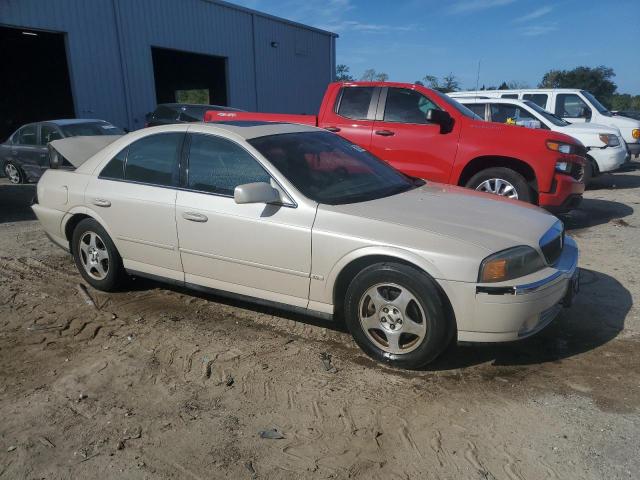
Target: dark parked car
24, 156
168, 113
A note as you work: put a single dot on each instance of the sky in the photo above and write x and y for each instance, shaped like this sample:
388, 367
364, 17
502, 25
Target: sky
514, 40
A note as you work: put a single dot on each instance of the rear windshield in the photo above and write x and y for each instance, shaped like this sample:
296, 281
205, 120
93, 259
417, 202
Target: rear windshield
90, 129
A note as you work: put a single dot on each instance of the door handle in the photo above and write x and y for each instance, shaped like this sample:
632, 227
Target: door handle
332, 129
101, 202
385, 133
194, 217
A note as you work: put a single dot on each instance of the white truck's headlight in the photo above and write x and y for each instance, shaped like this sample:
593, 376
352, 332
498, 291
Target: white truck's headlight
609, 140
509, 264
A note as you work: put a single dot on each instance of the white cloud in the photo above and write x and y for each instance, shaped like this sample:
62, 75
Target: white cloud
469, 6
539, 30
540, 12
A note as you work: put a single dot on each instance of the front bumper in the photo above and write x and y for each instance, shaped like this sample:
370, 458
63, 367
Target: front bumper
566, 194
516, 311
609, 159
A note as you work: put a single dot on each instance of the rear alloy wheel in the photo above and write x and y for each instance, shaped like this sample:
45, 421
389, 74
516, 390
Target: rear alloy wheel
503, 182
96, 256
396, 315
13, 173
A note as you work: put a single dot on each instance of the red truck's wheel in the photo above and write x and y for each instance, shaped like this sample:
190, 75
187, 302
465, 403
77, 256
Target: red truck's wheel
502, 181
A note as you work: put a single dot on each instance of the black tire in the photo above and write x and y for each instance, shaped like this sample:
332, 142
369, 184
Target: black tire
590, 167
115, 274
522, 187
424, 290
19, 174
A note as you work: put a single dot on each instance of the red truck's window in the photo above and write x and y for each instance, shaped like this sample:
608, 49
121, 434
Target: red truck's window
407, 106
354, 102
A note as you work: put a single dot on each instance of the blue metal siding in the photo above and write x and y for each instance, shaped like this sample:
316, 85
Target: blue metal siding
109, 51
92, 51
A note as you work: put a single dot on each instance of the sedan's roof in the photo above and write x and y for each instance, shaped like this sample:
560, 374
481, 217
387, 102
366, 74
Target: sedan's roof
74, 121
251, 129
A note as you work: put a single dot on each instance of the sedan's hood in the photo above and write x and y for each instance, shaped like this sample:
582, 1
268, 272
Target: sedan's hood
591, 128
487, 221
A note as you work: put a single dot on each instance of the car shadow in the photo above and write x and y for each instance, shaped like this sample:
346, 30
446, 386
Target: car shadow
15, 201
144, 284
617, 180
594, 211
596, 317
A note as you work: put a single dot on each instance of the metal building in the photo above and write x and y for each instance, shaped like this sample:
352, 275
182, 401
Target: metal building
116, 59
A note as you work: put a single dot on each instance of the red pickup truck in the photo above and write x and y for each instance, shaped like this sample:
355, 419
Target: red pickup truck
427, 134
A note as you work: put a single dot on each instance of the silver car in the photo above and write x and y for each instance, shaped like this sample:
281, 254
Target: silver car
301, 218
24, 156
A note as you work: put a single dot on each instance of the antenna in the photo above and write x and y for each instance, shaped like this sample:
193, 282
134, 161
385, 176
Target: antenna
478, 76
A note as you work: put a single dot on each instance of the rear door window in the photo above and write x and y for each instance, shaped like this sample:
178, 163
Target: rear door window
354, 102
49, 133
154, 159
511, 114
539, 99
28, 135
407, 106
114, 170
218, 165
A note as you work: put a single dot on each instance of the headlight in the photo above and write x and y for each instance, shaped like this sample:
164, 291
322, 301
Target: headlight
509, 264
561, 147
635, 133
609, 140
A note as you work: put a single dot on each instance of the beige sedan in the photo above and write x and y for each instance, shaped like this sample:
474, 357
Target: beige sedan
301, 218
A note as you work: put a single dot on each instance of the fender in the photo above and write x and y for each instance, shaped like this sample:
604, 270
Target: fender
81, 209
388, 251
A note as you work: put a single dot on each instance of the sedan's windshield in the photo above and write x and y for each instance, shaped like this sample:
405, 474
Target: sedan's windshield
547, 115
90, 129
328, 169
594, 101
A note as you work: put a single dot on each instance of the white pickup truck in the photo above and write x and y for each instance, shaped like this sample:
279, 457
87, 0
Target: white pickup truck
606, 148
573, 105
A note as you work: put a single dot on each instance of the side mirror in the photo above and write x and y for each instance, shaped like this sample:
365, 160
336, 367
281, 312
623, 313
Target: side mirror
585, 113
440, 117
259, 192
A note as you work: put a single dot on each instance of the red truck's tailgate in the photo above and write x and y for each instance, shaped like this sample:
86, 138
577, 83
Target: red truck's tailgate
226, 116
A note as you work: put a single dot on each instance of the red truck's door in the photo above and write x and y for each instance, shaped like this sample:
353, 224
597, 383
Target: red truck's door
403, 137
352, 115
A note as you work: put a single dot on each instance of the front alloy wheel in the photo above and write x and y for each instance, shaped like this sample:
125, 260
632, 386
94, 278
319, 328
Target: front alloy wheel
498, 186
392, 318
396, 314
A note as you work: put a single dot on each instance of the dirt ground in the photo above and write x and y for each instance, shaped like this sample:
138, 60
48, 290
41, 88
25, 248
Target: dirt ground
158, 382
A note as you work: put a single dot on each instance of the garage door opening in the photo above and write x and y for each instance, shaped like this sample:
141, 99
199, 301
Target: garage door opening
189, 77
35, 83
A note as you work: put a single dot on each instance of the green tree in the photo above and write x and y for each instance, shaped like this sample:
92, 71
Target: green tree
596, 80
449, 83
370, 75
342, 73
